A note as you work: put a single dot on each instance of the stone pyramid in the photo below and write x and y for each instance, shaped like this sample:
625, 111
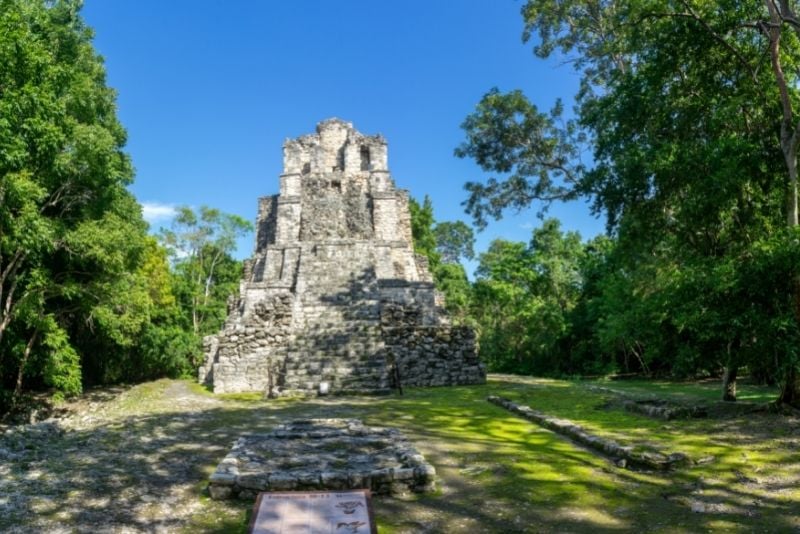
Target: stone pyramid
334, 298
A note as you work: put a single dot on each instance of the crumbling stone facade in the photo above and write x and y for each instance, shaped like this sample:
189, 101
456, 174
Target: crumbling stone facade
334, 295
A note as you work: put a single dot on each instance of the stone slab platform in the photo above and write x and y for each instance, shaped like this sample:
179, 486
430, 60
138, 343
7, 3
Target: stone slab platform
322, 454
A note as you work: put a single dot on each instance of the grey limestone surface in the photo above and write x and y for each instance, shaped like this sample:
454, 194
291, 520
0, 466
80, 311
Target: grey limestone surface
322, 454
334, 293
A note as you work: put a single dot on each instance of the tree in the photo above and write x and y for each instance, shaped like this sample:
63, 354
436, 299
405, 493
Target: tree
422, 222
524, 299
201, 245
785, 53
454, 241
509, 135
581, 349
677, 103
503, 305
444, 241
557, 256
85, 295
62, 177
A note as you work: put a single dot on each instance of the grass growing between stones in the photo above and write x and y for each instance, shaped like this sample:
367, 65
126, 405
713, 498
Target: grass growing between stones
503, 474
141, 463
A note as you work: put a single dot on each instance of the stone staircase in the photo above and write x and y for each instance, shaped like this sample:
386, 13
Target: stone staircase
341, 342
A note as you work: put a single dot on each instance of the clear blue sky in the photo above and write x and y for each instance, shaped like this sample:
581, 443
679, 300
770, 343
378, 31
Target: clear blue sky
208, 90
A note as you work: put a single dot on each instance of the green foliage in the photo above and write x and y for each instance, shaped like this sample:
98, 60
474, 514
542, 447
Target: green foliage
85, 295
422, 224
690, 140
442, 244
524, 297
454, 241
66, 221
200, 244
507, 134
451, 279
62, 368
165, 345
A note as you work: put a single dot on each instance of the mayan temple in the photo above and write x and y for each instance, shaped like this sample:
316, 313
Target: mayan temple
334, 298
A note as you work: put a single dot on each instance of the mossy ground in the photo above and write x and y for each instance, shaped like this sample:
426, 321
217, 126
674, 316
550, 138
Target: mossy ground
499, 473
705, 390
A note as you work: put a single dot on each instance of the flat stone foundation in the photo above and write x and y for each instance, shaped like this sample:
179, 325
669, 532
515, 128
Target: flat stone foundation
322, 454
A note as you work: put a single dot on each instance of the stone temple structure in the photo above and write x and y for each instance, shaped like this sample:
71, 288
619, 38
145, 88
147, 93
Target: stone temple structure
334, 298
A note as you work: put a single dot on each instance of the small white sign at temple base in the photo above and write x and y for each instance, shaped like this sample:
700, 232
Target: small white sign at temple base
313, 512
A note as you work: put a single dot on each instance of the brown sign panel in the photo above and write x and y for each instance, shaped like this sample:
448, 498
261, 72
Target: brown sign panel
313, 512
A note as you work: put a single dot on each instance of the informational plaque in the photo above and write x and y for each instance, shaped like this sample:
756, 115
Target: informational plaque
313, 512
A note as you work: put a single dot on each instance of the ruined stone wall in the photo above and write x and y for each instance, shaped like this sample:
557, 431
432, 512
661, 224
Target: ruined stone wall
248, 353
333, 207
334, 292
428, 354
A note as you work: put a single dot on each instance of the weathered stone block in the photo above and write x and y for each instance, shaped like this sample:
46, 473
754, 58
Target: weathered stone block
321, 454
220, 492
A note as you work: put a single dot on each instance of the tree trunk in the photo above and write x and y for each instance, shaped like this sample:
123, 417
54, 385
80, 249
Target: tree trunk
195, 326
9, 273
729, 383
793, 208
21, 371
790, 390
790, 139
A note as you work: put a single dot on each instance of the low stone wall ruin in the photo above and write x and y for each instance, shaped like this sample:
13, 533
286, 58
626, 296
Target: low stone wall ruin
655, 408
624, 454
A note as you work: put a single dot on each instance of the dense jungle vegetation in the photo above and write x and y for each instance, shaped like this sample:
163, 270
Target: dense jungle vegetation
683, 136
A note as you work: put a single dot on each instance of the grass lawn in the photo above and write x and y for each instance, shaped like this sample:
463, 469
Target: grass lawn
501, 473
140, 462
706, 390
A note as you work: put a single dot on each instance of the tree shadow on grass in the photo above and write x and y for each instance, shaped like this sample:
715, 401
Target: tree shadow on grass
499, 473
560, 477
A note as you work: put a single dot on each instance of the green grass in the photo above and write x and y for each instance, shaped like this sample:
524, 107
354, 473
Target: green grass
534, 470
708, 390
695, 437
501, 473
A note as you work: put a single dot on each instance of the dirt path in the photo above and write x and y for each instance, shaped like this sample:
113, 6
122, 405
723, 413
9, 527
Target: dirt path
102, 469
138, 460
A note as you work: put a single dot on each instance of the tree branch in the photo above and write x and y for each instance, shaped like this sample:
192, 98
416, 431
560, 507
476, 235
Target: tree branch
692, 15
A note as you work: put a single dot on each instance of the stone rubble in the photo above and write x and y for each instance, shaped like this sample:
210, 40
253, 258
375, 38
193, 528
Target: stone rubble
334, 293
655, 408
322, 454
663, 410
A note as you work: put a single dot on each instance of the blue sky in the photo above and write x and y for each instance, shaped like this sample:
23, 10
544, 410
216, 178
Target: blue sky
208, 90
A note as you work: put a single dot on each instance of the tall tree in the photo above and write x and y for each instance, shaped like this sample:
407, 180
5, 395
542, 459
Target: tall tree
782, 30
201, 244
678, 103
422, 223
62, 178
443, 244
524, 298
454, 241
